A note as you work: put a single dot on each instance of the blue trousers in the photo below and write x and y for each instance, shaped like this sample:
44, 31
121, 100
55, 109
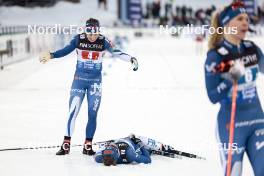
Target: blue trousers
248, 137
89, 85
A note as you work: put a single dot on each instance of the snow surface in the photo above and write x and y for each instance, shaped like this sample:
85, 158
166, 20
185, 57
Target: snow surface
164, 100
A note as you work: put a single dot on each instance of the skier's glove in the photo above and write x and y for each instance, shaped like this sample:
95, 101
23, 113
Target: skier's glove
45, 57
237, 70
133, 138
224, 66
134, 62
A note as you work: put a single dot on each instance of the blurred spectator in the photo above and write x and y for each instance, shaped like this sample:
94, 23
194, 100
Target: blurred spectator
102, 2
261, 9
210, 10
200, 16
148, 10
178, 11
184, 15
168, 8
156, 9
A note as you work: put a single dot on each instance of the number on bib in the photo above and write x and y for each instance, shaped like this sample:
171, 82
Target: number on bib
248, 76
90, 55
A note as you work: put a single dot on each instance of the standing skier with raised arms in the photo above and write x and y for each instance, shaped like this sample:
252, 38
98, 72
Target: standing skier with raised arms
89, 47
232, 65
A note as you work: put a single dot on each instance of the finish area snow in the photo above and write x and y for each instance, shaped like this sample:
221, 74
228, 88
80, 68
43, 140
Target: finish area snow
164, 100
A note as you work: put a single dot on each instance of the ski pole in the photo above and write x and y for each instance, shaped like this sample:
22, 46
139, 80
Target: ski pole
35, 148
44, 147
232, 128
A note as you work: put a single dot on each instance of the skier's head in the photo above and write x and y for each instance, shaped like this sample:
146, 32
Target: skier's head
231, 17
110, 155
92, 29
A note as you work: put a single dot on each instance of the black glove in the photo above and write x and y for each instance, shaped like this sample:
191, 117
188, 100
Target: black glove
134, 62
133, 138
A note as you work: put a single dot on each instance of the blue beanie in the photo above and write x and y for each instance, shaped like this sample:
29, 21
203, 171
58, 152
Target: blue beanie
231, 12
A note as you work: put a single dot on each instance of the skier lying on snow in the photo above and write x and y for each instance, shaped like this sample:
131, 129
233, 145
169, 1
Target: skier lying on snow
123, 151
135, 149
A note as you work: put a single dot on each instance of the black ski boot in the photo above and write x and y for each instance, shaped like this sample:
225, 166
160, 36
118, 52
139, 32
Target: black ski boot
87, 148
65, 147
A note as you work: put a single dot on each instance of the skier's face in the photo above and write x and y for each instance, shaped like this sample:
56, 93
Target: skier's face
92, 37
241, 22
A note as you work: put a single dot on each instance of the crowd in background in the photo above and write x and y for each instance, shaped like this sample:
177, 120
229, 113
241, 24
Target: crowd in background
172, 14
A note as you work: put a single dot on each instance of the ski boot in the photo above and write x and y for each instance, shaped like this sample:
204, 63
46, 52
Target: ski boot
65, 147
87, 148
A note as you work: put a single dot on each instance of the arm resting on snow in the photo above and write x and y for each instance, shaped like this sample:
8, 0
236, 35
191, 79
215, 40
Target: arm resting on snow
98, 157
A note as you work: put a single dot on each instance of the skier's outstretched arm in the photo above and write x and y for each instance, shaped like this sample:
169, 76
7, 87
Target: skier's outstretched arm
46, 56
217, 87
121, 55
66, 50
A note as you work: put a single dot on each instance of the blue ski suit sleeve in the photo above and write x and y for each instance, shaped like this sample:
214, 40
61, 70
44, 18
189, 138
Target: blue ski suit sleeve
139, 155
67, 49
217, 87
98, 157
116, 52
261, 61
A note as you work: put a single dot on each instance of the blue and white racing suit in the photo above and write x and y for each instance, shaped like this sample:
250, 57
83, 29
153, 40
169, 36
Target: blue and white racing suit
249, 117
87, 78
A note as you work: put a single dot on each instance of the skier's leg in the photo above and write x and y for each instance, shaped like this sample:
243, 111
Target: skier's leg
238, 147
255, 151
76, 97
150, 144
94, 100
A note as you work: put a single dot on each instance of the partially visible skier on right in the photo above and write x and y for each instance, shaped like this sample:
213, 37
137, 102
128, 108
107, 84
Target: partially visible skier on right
233, 64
